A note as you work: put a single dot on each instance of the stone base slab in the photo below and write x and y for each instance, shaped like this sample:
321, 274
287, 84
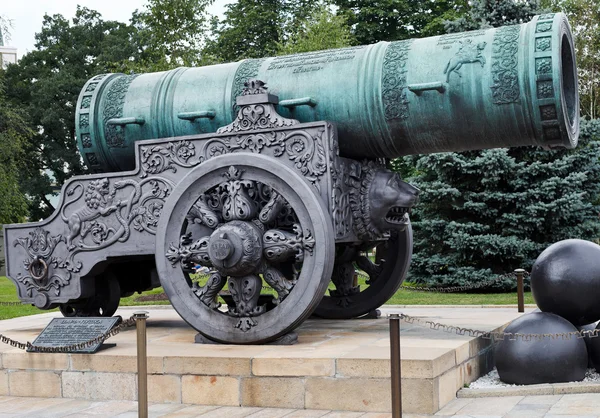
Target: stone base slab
336, 364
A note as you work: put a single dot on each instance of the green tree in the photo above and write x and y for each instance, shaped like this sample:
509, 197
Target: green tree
170, 34
493, 13
47, 81
584, 16
14, 133
255, 29
488, 212
323, 29
392, 20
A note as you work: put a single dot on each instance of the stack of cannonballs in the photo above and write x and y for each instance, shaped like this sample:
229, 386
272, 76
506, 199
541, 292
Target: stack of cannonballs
565, 282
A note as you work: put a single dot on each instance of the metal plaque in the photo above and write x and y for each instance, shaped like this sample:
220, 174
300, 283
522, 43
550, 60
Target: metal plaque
62, 332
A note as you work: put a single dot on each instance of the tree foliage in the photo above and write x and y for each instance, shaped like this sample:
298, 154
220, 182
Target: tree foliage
256, 29
392, 20
488, 212
584, 16
493, 13
47, 81
170, 34
13, 136
323, 29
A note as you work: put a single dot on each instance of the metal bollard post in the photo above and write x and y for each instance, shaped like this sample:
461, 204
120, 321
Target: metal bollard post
395, 366
142, 365
520, 295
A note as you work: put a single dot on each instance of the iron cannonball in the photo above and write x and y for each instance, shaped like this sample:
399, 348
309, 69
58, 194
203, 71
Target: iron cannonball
565, 280
588, 341
594, 352
541, 361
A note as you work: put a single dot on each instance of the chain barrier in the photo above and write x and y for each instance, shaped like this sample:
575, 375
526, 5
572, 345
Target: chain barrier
497, 335
73, 347
11, 304
455, 289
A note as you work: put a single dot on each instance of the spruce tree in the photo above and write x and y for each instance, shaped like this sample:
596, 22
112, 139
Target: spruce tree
484, 213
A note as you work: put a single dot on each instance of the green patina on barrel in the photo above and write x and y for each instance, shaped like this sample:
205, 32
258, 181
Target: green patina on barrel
502, 87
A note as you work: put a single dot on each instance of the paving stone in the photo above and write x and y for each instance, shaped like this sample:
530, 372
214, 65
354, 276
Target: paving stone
357, 394
272, 392
99, 386
164, 388
34, 383
31, 406
454, 406
35, 361
540, 400
578, 404
3, 383
569, 388
271, 413
190, 411
497, 406
123, 363
210, 390
70, 406
308, 413
108, 408
448, 385
293, 367
229, 412
527, 411
350, 367
218, 366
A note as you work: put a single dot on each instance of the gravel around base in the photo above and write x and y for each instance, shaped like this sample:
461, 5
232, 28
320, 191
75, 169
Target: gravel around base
492, 380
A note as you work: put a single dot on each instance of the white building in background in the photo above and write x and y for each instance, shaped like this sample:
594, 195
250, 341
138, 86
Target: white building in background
8, 54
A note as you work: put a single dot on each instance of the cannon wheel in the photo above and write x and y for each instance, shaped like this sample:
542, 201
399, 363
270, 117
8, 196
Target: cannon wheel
104, 302
394, 258
199, 306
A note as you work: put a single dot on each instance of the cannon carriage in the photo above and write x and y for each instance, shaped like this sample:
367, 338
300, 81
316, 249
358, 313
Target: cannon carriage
280, 189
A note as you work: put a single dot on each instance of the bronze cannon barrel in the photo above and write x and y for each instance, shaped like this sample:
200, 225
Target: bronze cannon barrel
499, 87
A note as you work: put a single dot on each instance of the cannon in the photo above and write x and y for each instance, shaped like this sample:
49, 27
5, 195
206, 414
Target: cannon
272, 174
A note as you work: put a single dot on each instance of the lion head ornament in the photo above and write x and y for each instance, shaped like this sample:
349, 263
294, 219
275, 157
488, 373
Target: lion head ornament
382, 202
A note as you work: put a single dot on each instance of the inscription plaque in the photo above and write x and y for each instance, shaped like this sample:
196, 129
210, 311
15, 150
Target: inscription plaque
313, 61
62, 332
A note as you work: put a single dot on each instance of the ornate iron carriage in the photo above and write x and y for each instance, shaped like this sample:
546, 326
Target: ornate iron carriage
273, 200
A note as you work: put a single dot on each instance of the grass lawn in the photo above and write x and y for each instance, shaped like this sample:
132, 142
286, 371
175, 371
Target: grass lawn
8, 293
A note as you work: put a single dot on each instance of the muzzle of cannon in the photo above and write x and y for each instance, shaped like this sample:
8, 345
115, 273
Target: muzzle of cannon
503, 87
269, 175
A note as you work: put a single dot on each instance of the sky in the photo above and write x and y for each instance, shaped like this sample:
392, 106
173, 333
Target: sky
27, 15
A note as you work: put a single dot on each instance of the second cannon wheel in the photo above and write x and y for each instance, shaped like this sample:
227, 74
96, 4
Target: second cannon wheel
384, 274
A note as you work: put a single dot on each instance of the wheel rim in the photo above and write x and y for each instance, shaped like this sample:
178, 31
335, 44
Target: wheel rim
248, 326
393, 273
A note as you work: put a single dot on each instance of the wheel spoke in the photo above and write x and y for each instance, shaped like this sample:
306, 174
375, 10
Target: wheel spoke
279, 283
189, 253
202, 214
280, 246
209, 293
343, 279
370, 268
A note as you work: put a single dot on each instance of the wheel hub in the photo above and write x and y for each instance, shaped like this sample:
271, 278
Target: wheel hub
235, 249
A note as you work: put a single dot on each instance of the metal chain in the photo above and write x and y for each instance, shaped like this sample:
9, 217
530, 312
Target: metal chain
11, 304
73, 347
497, 335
